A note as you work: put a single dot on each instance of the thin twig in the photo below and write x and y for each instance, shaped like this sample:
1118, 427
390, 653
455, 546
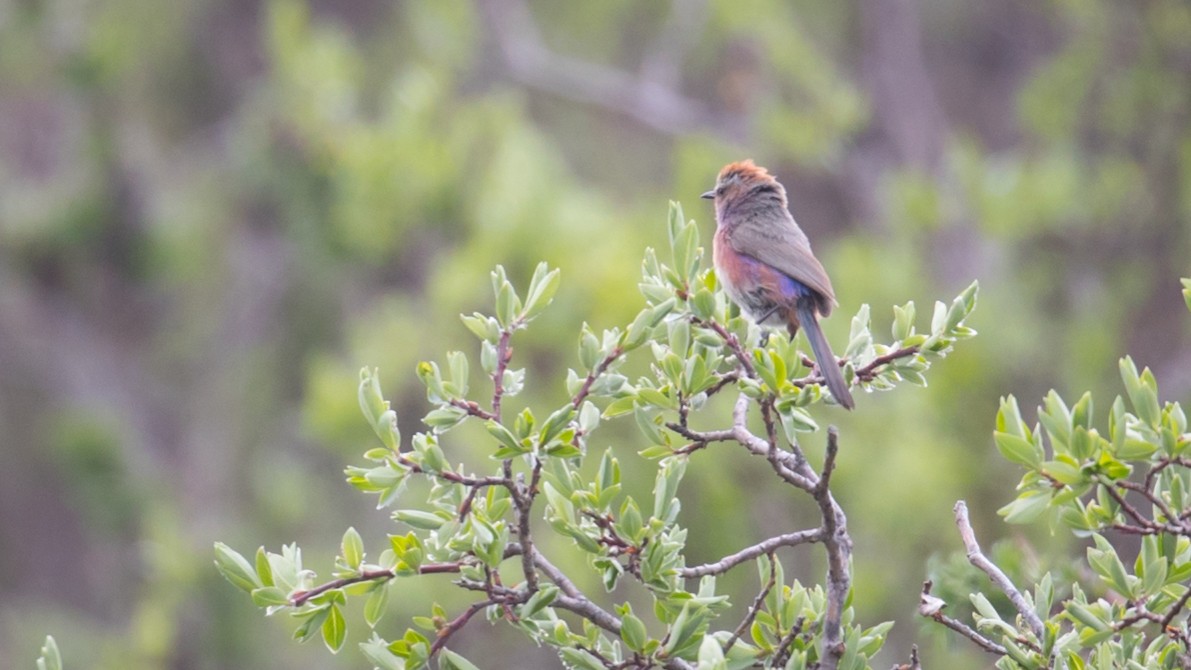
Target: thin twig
977, 558
456, 624
503, 354
785, 645
755, 607
932, 608
595, 373
302, 597
1175, 609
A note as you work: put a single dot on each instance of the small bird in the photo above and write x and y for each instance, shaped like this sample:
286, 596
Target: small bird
765, 263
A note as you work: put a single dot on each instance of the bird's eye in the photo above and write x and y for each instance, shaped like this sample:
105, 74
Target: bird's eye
719, 190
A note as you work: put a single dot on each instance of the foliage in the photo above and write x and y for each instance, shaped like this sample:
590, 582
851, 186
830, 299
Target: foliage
1126, 487
475, 525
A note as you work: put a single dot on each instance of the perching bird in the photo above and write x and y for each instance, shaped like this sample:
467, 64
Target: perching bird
764, 262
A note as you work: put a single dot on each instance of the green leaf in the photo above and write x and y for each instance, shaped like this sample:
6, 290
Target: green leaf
334, 630
235, 568
419, 519
1028, 507
50, 658
377, 602
449, 660
378, 654
539, 601
542, 288
352, 548
579, 659
903, 321
1018, 450
632, 631
1187, 292
1142, 390
376, 409
484, 327
269, 596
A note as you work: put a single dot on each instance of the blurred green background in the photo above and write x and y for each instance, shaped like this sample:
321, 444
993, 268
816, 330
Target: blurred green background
214, 212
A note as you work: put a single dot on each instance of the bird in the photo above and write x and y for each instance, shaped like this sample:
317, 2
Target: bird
765, 263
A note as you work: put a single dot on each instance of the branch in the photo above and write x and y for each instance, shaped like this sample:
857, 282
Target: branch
473, 409
302, 597
869, 371
503, 354
456, 624
572, 599
599, 369
839, 555
932, 608
784, 463
749, 553
977, 558
733, 344
524, 533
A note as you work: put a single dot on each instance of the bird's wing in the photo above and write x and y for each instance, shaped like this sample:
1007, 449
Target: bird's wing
785, 248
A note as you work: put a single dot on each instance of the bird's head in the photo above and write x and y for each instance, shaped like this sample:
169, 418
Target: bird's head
744, 180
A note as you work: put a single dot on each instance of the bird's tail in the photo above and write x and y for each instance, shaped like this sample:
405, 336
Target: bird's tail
828, 366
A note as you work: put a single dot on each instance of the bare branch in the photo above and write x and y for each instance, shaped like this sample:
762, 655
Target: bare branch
977, 558
572, 599
932, 608
749, 553
784, 462
755, 607
839, 555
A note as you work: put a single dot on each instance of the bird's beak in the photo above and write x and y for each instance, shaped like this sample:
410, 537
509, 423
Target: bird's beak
710, 195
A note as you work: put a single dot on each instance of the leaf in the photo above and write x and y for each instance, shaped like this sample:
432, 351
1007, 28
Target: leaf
377, 602
1018, 450
334, 630
352, 548
632, 631
50, 658
542, 288
449, 660
235, 568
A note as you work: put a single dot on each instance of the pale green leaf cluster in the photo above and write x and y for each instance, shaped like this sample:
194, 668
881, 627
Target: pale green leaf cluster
1130, 477
470, 522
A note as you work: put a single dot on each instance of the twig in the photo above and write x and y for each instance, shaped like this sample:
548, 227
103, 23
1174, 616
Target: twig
869, 371
932, 608
977, 558
473, 409
1175, 609
787, 642
756, 606
302, 597
595, 373
733, 343
456, 624
913, 664
503, 354
749, 553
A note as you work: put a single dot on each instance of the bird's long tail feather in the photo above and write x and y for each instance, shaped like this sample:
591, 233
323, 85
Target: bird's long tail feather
828, 366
